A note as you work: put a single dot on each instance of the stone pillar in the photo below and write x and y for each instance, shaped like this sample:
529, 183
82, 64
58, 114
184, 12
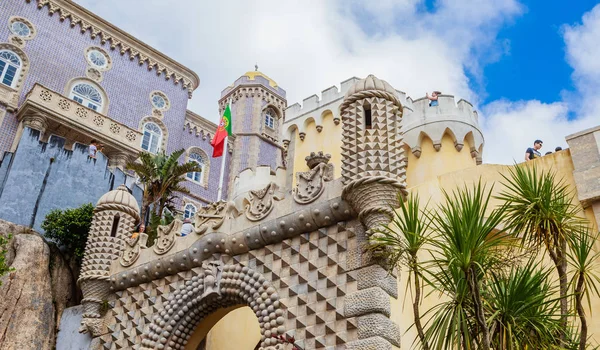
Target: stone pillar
115, 217
33, 121
117, 159
373, 161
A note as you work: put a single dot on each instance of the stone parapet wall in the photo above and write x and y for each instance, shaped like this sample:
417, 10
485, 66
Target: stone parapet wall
458, 120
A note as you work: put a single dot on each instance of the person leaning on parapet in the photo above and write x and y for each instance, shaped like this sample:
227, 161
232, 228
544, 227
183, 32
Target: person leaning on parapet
558, 149
534, 152
140, 229
433, 99
187, 227
92, 149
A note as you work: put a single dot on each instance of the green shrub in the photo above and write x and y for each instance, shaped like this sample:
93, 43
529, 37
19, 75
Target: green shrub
4, 268
69, 229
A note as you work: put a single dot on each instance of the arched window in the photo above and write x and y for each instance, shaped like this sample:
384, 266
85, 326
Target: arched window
270, 119
152, 137
189, 211
196, 175
10, 65
87, 95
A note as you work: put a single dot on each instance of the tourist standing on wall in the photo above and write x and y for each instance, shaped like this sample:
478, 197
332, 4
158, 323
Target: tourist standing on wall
534, 152
187, 227
433, 99
93, 149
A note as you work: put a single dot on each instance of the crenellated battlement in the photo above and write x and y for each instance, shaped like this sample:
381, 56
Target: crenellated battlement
457, 119
312, 103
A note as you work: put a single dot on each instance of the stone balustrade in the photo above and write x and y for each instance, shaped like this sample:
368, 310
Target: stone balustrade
54, 114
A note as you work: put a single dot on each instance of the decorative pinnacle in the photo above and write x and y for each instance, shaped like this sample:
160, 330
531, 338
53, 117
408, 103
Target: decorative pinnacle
317, 158
256, 67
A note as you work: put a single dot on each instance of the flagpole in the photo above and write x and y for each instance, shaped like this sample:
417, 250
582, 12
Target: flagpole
220, 191
222, 170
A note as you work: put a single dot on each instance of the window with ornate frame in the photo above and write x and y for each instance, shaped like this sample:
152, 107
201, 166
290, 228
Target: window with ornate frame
159, 100
10, 67
152, 137
87, 94
21, 27
199, 156
98, 58
189, 211
269, 119
196, 175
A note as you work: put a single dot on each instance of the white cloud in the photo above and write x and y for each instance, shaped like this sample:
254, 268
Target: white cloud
510, 127
307, 46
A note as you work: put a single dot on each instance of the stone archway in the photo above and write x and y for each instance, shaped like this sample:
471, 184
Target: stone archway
218, 286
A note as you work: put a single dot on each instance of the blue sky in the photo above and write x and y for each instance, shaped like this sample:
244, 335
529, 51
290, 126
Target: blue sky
530, 68
536, 54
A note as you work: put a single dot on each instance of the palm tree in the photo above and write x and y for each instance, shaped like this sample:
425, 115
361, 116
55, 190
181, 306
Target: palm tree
540, 209
470, 244
161, 176
584, 280
450, 324
524, 313
399, 243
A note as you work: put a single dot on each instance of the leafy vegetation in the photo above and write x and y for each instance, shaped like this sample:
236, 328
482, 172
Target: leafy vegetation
487, 270
69, 229
4, 268
161, 177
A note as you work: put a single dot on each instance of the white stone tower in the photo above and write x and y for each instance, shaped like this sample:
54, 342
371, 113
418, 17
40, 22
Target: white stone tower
373, 161
115, 217
441, 138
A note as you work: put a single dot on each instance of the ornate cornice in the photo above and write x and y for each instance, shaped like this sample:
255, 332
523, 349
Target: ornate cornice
126, 43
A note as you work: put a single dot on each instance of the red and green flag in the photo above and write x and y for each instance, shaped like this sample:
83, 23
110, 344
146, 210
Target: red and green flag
223, 130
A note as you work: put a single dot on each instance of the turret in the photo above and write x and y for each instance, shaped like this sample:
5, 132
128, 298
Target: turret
115, 216
373, 166
441, 138
257, 105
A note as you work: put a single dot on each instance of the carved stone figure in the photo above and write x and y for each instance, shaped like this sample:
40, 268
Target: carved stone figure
166, 234
133, 247
210, 216
310, 184
212, 277
260, 203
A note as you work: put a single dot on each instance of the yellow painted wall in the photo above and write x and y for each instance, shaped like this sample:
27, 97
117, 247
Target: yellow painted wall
433, 163
329, 140
234, 328
489, 174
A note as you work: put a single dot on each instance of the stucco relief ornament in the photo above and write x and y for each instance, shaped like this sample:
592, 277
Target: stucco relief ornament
311, 184
213, 215
166, 236
131, 252
212, 277
259, 203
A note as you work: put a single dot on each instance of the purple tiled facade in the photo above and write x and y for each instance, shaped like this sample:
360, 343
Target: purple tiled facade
57, 56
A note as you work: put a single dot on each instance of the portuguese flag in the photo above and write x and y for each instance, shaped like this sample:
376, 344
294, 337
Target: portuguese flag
223, 130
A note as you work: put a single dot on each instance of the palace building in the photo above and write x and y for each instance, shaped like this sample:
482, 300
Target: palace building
283, 252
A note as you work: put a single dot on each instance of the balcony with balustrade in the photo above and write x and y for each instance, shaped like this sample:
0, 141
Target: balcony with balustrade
54, 114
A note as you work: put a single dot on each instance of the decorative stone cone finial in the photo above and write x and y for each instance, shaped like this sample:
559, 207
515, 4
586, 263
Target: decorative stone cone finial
373, 161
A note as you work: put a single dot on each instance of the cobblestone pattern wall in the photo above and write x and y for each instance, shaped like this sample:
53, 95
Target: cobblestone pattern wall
313, 274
